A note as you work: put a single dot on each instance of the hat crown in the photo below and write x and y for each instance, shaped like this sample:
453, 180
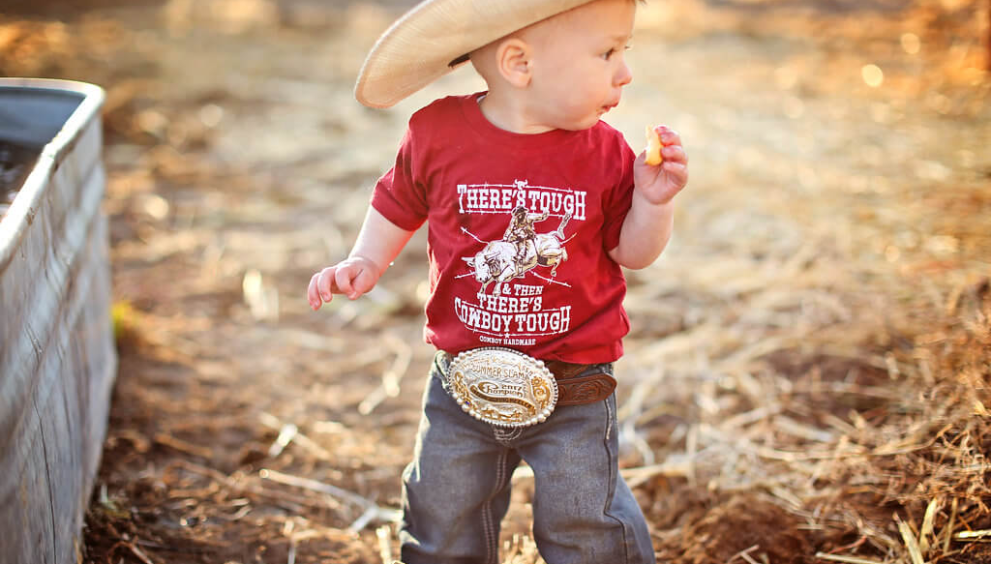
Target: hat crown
436, 36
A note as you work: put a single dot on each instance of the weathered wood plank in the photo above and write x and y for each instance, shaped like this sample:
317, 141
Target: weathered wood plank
57, 361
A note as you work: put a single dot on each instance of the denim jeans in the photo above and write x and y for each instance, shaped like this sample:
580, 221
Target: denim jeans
457, 489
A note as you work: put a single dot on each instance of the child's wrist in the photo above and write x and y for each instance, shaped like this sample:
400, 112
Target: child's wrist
641, 198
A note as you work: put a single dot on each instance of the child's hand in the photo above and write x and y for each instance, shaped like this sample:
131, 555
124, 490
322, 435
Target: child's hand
659, 184
351, 277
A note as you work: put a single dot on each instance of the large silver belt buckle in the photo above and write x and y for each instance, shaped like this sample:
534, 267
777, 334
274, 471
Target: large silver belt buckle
502, 387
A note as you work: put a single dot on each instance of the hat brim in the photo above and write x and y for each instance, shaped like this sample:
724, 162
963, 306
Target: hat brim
433, 38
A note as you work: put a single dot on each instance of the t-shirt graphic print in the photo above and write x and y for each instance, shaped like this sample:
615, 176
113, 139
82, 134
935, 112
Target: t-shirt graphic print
517, 267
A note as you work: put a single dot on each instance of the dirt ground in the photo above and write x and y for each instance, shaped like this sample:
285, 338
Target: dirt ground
807, 376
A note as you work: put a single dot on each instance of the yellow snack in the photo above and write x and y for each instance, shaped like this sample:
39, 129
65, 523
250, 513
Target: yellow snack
653, 149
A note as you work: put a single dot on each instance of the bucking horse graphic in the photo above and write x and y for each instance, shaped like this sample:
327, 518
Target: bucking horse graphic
519, 251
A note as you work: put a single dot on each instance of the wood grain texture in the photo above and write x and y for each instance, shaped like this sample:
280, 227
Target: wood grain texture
57, 360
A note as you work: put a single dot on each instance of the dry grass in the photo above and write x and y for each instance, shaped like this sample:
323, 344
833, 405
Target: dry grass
808, 378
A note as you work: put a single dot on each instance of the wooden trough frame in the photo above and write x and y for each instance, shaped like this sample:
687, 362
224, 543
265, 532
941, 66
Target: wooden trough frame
57, 356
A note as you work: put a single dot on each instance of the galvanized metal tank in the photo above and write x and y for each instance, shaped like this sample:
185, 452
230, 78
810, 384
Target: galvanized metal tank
57, 356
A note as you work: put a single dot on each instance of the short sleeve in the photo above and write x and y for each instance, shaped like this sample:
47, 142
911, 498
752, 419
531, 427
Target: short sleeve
399, 195
617, 203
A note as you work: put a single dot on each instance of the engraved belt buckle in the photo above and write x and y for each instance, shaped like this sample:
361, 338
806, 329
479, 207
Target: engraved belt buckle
502, 387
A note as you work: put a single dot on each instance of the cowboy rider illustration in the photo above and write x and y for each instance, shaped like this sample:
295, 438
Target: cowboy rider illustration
522, 234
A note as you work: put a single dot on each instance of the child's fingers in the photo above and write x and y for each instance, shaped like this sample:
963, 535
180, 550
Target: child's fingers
678, 172
320, 290
311, 292
325, 283
675, 153
312, 296
668, 136
344, 277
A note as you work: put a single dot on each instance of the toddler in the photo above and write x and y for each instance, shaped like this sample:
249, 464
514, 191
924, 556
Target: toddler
533, 206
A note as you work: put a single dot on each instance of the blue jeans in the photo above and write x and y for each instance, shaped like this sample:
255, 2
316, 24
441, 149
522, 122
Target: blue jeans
457, 489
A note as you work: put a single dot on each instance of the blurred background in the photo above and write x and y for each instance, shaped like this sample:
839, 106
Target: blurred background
807, 376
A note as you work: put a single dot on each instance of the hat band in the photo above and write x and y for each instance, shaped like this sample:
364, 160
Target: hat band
458, 60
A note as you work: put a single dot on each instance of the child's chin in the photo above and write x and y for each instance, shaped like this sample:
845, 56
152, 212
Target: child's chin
578, 125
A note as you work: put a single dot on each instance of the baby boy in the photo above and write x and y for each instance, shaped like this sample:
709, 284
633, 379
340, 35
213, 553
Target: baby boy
533, 207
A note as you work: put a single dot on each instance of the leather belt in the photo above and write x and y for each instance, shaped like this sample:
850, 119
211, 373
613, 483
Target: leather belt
577, 384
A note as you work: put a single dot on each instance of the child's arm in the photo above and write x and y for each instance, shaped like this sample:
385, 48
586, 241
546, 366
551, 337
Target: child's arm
647, 227
378, 243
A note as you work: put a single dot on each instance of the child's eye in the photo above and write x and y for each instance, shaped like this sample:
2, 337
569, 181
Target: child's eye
609, 54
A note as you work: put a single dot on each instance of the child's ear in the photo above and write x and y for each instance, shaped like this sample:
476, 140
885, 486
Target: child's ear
513, 62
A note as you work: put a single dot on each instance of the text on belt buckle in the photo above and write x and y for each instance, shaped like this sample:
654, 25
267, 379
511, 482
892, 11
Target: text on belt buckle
502, 387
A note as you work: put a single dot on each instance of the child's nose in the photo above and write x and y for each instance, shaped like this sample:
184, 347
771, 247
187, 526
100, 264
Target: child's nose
624, 76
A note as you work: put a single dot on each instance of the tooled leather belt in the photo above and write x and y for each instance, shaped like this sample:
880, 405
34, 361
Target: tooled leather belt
577, 384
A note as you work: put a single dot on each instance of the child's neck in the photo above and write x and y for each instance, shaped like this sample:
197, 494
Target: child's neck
509, 113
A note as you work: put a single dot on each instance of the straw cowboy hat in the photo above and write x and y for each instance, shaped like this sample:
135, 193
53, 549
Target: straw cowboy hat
436, 37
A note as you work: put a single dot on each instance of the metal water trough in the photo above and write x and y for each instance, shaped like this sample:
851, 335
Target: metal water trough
57, 356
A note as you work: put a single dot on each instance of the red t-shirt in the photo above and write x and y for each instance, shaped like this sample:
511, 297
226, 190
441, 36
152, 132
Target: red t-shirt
519, 231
